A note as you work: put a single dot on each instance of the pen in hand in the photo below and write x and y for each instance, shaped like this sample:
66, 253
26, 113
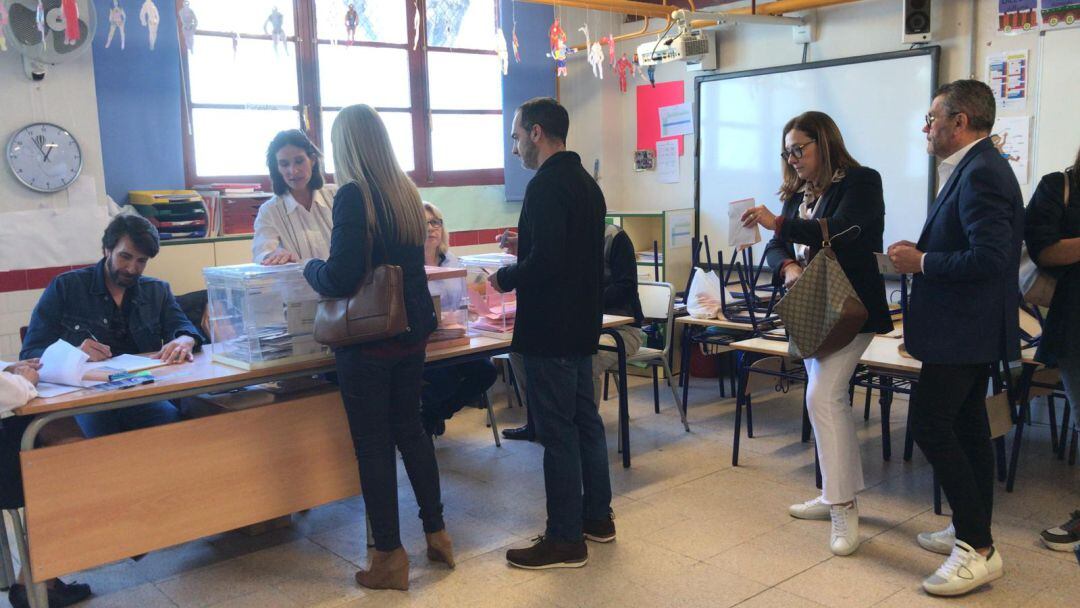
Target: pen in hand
97, 350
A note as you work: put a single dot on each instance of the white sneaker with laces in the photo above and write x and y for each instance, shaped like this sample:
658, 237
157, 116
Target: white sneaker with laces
811, 509
844, 538
964, 571
941, 541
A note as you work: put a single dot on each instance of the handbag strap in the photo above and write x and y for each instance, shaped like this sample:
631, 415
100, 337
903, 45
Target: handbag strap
1065, 174
826, 242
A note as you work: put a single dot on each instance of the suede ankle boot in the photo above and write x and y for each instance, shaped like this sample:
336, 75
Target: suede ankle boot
440, 548
387, 570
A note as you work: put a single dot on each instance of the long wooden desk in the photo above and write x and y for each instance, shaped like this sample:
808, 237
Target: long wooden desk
100, 500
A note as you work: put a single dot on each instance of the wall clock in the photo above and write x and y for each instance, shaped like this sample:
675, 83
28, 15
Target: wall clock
44, 157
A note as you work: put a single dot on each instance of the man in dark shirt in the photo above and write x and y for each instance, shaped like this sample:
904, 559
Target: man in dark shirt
560, 248
110, 309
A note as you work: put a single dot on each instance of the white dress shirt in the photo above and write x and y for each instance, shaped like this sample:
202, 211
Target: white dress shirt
283, 223
945, 170
15, 390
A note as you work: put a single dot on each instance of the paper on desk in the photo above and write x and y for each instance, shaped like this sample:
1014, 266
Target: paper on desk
126, 363
740, 236
48, 389
62, 363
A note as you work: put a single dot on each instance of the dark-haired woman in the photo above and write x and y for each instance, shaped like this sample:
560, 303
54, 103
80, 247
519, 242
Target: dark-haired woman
822, 181
294, 225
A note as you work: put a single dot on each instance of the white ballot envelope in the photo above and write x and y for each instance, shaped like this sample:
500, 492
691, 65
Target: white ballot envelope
740, 236
884, 264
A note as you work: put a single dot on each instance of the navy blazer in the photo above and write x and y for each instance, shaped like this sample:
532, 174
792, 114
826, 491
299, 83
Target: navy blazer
963, 308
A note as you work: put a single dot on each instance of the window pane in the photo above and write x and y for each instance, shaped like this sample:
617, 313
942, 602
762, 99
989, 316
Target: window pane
466, 141
247, 17
398, 126
466, 24
254, 75
460, 81
233, 142
355, 74
376, 20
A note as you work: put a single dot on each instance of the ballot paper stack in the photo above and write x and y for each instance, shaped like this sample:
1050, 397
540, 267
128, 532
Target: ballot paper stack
261, 316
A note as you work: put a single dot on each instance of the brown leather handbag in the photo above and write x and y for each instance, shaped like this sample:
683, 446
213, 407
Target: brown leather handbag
375, 312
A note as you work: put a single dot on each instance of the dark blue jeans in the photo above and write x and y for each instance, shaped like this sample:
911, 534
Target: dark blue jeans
560, 396
131, 418
382, 402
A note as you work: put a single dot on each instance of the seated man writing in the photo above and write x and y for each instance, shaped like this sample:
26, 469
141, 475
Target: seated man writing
111, 309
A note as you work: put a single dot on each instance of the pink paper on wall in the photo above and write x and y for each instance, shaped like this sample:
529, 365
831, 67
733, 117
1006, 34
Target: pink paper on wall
649, 101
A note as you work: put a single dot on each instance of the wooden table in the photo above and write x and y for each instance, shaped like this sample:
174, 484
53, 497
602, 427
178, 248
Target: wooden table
100, 500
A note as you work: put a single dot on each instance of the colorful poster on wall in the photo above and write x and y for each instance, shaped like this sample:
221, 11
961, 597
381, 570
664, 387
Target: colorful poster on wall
1006, 73
1017, 16
1010, 137
1060, 13
649, 101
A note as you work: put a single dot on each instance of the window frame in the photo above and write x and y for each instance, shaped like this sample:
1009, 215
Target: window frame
306, 43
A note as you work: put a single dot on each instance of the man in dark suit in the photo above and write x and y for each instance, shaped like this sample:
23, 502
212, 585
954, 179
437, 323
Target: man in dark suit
961, 319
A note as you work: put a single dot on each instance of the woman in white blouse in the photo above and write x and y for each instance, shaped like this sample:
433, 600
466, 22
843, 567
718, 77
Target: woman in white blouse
295, 224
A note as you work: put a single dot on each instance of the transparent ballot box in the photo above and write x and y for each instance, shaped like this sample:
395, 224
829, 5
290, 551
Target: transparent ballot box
447, 287
262, 316
490, 312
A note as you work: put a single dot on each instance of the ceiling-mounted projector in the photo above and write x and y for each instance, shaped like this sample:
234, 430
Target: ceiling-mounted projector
693, 47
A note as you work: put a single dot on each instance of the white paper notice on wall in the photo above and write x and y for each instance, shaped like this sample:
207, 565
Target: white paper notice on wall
667, 161
677, 120
82, 192
1007, 75
1010, 138
74, 237
740, 236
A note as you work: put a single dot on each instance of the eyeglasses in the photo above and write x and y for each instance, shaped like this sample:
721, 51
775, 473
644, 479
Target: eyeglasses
796, 150
434, 223
930, 118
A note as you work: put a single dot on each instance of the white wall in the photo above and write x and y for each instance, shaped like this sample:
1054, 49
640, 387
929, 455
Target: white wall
603, 121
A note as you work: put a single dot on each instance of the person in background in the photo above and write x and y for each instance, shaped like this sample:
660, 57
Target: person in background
447, 389
111, 309
1052, 233
823, 181
962, 318
295, 224
17, 387
558, 276
379, 219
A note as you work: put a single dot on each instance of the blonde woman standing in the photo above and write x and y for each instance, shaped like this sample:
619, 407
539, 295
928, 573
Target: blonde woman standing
379, 219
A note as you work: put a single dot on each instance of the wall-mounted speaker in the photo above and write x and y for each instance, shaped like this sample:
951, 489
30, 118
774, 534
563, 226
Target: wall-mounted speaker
916, 21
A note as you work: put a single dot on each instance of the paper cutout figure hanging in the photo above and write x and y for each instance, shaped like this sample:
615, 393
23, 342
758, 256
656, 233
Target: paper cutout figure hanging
556, 35
595, 54
188, 24
559, 54
3, 22
276, 23
609, 40
501, 52
623, 66
39, 22
150, 18
70, 10
352, 19
117, 23
416, 25
517, 46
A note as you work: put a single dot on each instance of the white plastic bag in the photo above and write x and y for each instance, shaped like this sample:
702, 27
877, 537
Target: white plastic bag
704, 299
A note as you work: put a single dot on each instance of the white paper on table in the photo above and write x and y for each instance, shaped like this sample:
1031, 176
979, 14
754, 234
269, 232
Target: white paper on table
740, 236
125, 363
677, 120
48, 389
667, 161
62, 363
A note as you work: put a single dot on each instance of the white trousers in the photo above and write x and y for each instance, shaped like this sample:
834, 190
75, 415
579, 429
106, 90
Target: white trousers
831, 415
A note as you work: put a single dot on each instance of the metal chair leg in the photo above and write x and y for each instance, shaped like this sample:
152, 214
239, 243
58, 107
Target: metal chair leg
1064, 439
749, 417
491, 418
1053, 423
656, 388
35, 592
869, 392
7, 568
679, 403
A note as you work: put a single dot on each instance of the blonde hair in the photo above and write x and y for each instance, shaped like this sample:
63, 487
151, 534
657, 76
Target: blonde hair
363, 155
444, 244
834, 156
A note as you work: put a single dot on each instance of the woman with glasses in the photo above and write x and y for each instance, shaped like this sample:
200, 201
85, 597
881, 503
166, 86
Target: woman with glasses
295, 224
379, 219
822, 181
448, 389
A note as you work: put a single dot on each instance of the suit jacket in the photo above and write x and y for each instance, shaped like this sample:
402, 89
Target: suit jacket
856, 200
963, 307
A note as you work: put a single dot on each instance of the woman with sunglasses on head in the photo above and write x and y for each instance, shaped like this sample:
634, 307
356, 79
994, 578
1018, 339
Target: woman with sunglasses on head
295, 224
822, 181
450, 388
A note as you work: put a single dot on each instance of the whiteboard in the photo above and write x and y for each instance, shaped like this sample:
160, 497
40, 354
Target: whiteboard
878, 101
1057, 130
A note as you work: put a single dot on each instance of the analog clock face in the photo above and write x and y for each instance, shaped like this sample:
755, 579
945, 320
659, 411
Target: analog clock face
44, 157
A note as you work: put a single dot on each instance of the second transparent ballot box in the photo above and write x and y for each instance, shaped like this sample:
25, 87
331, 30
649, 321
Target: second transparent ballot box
447, 287
490, 312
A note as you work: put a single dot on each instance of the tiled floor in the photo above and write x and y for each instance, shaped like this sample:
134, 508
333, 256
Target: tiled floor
693, 531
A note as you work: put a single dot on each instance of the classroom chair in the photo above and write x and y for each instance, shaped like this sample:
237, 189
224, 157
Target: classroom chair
773, 374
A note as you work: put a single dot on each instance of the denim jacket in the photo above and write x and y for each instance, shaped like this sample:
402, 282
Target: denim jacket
77, 304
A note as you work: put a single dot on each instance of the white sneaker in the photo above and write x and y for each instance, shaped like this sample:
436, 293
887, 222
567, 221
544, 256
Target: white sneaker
964, 571
941, 541
844, 538
811, 509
